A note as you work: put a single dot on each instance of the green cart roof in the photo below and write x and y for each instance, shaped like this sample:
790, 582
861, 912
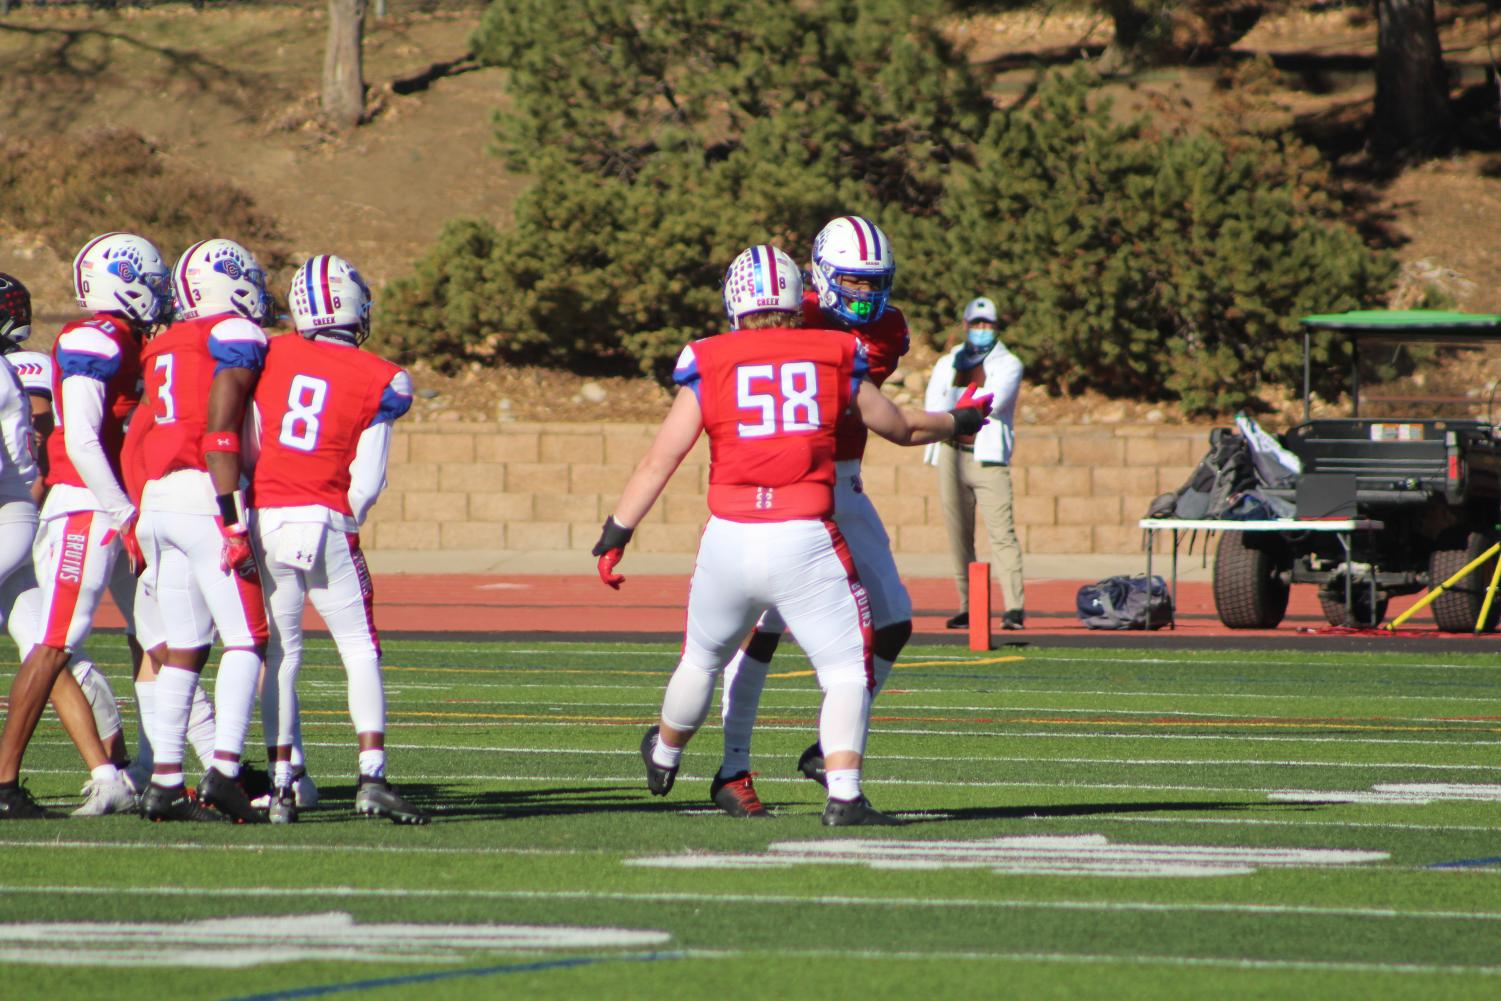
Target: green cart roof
1398, 322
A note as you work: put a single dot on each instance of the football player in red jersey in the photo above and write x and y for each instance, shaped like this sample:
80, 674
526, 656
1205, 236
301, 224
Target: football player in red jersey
199, 375
852, 272
86, 516
325, 411
770, 397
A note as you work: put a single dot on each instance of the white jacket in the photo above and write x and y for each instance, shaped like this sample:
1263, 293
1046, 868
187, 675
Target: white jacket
1003, 377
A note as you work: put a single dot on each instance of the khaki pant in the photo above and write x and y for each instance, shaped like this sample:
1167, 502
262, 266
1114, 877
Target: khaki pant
963, 486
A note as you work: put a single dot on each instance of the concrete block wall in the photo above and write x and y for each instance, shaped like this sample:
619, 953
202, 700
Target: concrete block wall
468, 486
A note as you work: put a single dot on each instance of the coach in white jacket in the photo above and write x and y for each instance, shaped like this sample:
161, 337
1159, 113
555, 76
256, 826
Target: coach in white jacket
975, 472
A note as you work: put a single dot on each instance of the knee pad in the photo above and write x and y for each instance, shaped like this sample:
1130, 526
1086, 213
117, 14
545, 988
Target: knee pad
101, 697
762, 646
889, 640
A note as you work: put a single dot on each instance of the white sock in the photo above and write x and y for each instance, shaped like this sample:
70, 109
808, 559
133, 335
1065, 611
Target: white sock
146, 710
689, 693
740, 702
845, 716
201, 726
367, 693
665, 756
174, 697
230, 769
105, 773
844, 783
282, 774
234, 701
373, 763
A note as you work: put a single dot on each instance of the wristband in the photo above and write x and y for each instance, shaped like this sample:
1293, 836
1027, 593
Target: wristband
232, 509
613, 536
221, 441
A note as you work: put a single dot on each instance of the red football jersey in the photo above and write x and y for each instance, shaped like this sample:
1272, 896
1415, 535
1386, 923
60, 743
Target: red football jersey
179, 371
315, 399
105, 349
771, 400
885, 341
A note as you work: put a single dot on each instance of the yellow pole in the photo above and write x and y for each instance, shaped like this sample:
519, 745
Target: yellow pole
1490, 595
1432, 595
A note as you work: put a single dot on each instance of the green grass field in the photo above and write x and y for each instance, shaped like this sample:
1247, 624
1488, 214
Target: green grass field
1132, 825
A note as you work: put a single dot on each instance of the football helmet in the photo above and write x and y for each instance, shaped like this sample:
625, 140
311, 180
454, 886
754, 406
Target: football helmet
760, 280
852, 247
219, 276
122, 273
329, 297
34, 369
15, 313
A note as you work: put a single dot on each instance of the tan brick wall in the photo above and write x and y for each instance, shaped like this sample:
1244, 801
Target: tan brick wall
467, 487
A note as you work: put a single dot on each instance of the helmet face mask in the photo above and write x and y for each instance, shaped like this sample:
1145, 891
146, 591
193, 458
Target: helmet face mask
122, 273
850, 250
329, 298
761, 279
15, 313
219, 276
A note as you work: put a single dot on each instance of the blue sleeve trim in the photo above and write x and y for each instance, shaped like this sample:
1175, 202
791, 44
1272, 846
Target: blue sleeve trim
237, 354
392, 406
87, 364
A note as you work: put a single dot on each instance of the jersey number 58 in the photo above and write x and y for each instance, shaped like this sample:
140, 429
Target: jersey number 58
785, 395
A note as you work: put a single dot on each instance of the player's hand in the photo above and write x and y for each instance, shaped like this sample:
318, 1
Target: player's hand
236, 555
610, 548
971, 412
132, 546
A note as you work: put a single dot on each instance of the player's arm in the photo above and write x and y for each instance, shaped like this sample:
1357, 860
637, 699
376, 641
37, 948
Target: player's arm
16, 435
911, 427
367, 473
42, 423
83, 416
674, 440
238, 348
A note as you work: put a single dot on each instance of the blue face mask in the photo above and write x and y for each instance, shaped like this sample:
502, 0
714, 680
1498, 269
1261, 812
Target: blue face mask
978, 340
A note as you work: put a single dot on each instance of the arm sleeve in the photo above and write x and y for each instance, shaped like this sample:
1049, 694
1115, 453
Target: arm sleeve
16, 432
395, 399
686, 373
83, 414
367, 473
237, 343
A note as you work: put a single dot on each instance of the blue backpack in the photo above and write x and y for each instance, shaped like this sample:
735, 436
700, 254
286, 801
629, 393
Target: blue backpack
1125, 603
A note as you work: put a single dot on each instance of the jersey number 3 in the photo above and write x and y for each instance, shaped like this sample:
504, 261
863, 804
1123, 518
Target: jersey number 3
793, 385
305, 400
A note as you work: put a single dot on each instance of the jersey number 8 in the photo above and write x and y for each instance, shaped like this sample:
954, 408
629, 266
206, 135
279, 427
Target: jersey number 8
299, 425
798, 382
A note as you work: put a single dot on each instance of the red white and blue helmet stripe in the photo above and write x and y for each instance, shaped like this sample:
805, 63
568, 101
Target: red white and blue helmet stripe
868, 239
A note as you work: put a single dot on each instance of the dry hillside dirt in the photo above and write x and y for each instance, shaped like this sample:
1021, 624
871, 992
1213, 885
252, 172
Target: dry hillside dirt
231, 92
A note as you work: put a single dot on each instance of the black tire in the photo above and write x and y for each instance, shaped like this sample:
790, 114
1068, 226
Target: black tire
1458, 608
1363, 615
1249, 591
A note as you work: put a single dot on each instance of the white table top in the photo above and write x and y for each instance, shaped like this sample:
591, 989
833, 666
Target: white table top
1275, 525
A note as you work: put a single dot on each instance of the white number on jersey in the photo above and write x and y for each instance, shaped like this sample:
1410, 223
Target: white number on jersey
164, 391
798, 385
299, 426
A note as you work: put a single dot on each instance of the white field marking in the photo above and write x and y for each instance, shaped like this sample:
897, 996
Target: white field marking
765, 899
279, 847
1259, 822
1104, 959
1217, 662
237, 943
1401, 794
1064, 855
503, 587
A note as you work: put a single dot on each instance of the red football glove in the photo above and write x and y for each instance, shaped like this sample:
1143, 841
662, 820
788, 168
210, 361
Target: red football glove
236, 555
607, 572
610, 548
132, 546
971, 412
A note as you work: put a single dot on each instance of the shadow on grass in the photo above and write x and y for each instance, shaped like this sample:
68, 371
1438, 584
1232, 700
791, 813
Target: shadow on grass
1056, 810
502, 804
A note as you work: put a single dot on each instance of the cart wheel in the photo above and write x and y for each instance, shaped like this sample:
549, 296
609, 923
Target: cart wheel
1457, 609
1249, 590
1363, 615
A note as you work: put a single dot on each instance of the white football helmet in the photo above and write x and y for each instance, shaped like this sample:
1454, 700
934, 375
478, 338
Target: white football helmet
15, 313
760, 280
122, 273
219, 276
329, 297
853, 246
34, 369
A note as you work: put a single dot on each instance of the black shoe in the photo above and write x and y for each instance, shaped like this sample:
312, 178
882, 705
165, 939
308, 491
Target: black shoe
282, 808
658, 779
1013, 618
163, 803
225, 795
736, 796
811, 763
20, 804
255, 781
856, 813
960, 621
377, 798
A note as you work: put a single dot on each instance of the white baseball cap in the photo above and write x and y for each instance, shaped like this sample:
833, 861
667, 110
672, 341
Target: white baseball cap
980, 309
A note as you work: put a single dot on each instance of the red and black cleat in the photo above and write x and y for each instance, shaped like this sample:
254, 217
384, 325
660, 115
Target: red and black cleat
736, 795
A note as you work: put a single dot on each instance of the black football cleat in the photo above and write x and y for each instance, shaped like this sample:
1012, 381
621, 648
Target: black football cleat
160, 803
377, 798
225, 795
811, 763
255, 781
20, 804
658, 779
736, 796
856, 813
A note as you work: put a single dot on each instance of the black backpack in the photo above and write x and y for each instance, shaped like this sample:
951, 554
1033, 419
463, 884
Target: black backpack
1225, 471
1125, 603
